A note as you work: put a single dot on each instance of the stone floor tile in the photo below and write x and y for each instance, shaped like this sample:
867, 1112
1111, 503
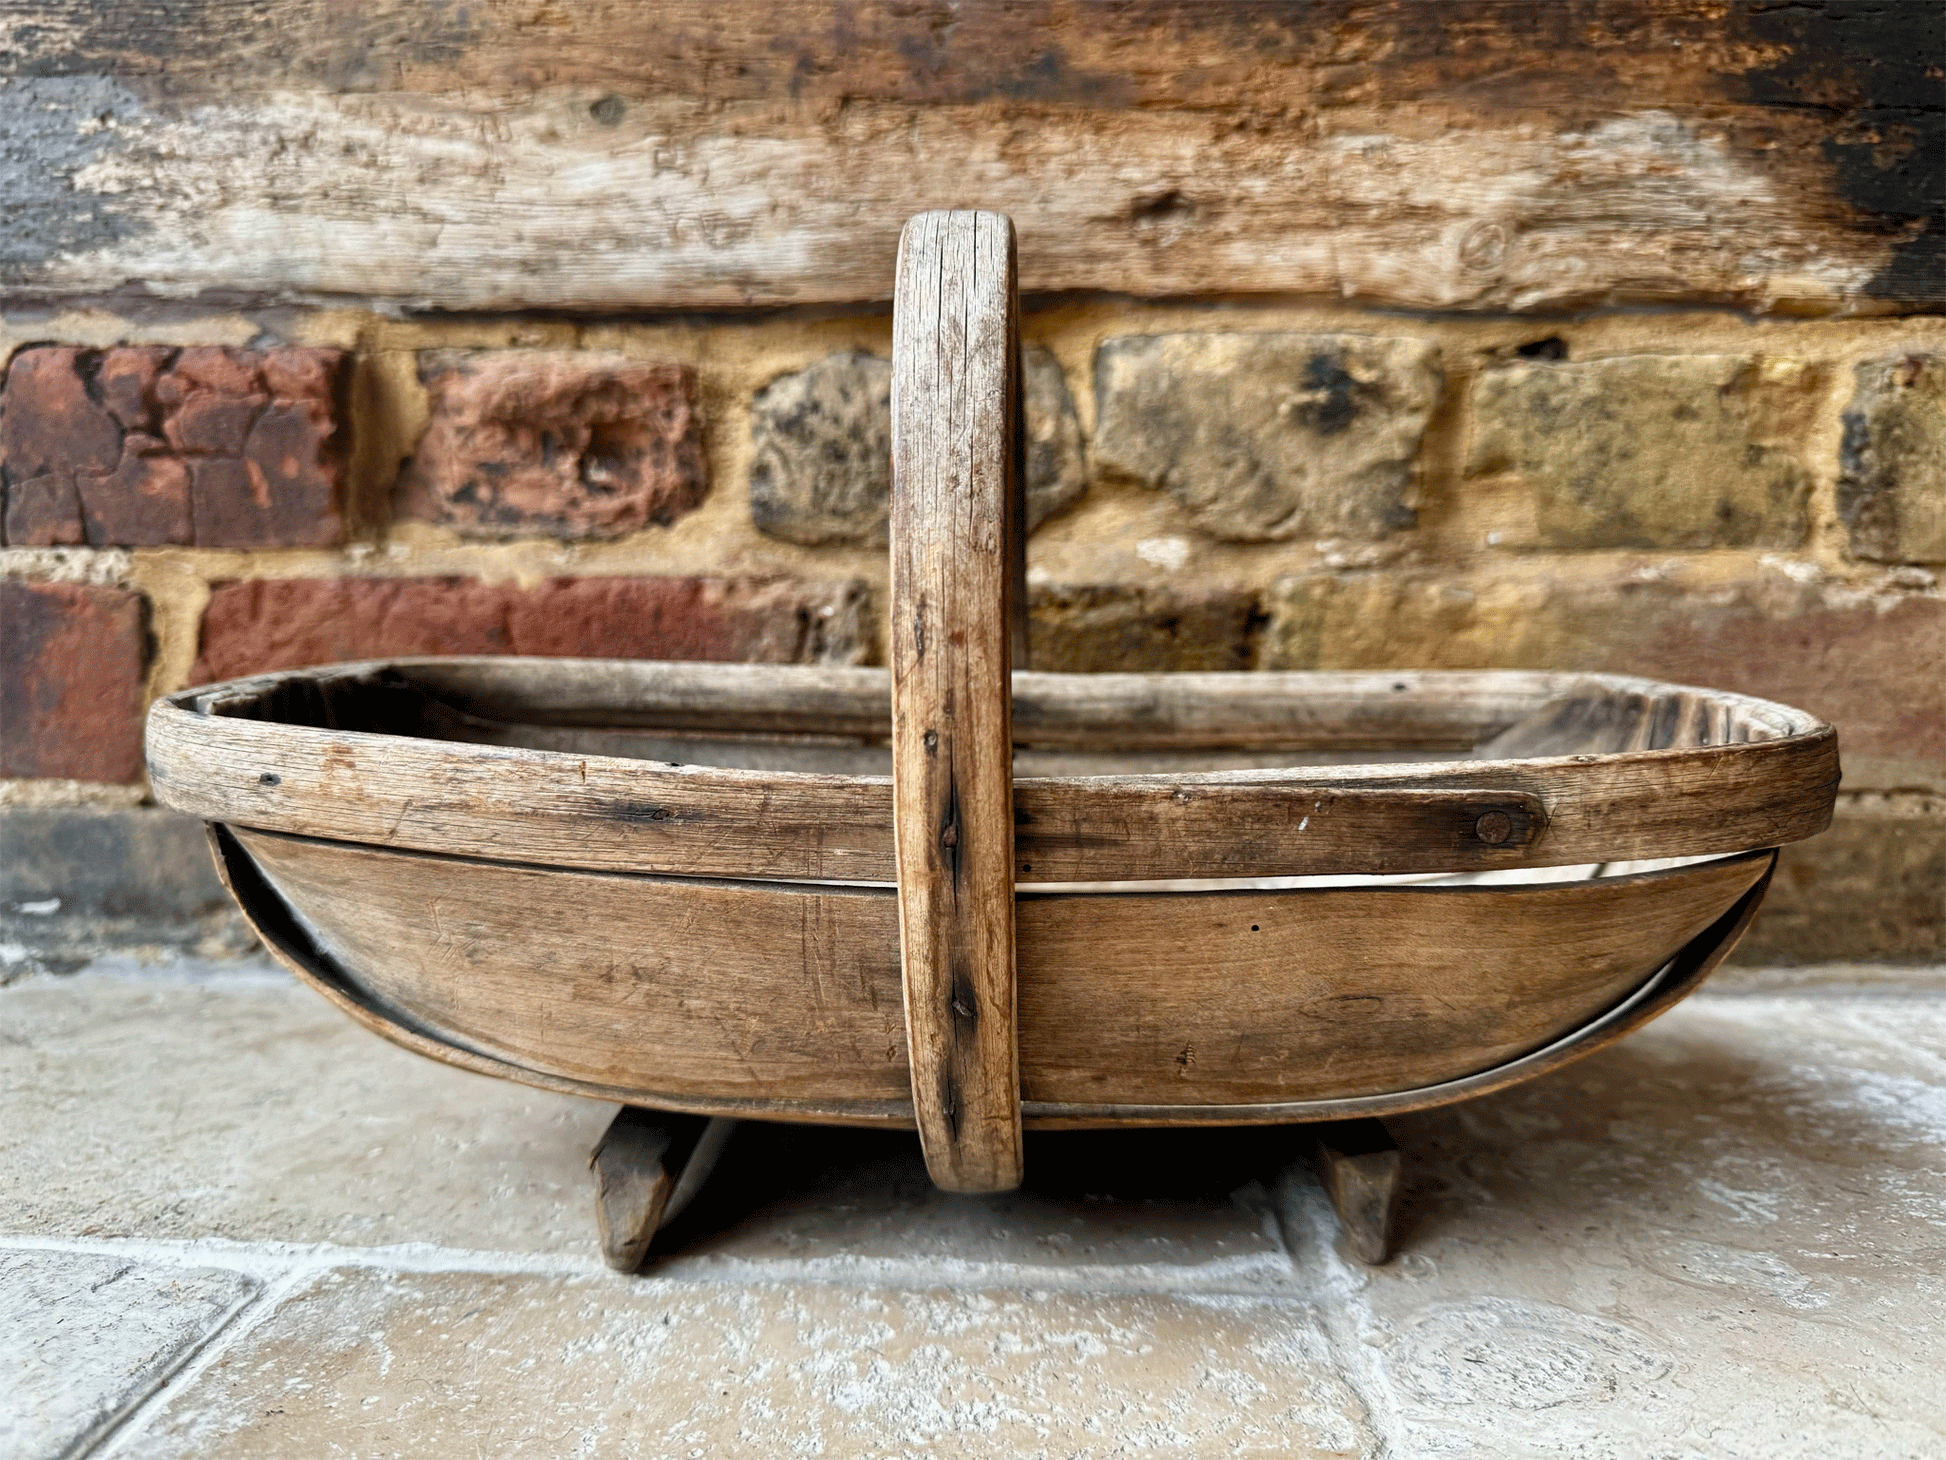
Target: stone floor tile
1723, 1238
84, 1337
510, 1367
245, 1107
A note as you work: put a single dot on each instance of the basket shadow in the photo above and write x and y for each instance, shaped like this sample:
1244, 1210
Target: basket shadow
812, 1191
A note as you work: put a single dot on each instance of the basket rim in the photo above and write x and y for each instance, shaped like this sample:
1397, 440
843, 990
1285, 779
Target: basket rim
599, 811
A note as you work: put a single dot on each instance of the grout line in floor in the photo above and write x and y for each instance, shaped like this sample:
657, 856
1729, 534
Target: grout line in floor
1930, 989
243, 1315
1311, 1231
1252, 1275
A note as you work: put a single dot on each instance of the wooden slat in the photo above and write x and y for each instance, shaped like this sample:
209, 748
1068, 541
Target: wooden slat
1707, 801
955, 525
611, 814
620, 693
753, 991
1240, 998
1490, 154
1674, 982
522, 805
786, 1000
1360, 1166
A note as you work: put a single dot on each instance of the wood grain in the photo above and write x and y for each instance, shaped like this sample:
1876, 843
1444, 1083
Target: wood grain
1360, 1166
624, 984
1669, 986
310, 769
956, 525
1478, 154
785, 1000
1239, 998
637, 1164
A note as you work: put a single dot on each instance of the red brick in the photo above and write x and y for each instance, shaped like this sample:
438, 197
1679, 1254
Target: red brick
51, 434
285, 623
44, 511
1876, 668
674, 618
213, 368
144, 500
526, 442
72, 665
144, 445
127, 382
207, 423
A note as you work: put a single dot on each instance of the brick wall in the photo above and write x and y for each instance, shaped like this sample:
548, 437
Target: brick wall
1704, 498
1600, 336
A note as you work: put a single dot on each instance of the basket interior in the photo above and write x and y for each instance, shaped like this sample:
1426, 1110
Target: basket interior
1344, 720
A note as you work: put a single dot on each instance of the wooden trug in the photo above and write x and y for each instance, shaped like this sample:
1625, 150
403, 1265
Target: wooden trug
971, 900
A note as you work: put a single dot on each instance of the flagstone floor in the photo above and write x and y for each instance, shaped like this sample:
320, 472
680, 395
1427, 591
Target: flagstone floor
234, 1225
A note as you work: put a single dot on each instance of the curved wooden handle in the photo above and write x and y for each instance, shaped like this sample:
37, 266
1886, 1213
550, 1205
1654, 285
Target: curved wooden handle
956, 529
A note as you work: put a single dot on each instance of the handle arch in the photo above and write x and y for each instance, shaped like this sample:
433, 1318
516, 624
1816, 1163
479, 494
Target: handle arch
958, 525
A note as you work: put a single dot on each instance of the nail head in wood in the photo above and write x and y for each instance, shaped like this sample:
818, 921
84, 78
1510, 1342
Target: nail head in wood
1494, 828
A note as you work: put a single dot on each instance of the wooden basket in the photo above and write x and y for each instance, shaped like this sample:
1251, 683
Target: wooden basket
1098, 900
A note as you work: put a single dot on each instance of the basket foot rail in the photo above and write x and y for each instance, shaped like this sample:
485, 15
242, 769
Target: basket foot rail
955, 538
647, 1167
1360, 1167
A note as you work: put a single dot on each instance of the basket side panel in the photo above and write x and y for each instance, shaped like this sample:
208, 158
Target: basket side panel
1241, 998
747, 991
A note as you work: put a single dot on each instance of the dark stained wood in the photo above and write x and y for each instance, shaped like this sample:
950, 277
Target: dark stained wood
1464, 154
1360, 1167
955, 545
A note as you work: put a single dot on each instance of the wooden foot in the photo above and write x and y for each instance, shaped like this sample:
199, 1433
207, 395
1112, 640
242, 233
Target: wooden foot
1360, 1167
647, 1165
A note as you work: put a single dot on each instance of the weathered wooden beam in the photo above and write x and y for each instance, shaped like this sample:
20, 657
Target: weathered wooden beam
1480, 154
